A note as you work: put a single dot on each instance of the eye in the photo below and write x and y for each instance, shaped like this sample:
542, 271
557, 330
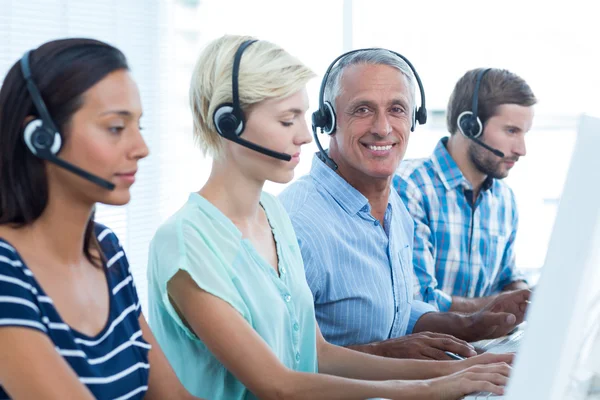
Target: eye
116, 129
361, 111
286, 123
398, 109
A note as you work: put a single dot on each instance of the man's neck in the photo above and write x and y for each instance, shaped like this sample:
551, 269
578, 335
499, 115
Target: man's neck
459, 153
376, 190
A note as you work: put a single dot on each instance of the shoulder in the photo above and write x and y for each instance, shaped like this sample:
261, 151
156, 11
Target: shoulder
11, 264
410, 169
298, 195
186, 223
414, 175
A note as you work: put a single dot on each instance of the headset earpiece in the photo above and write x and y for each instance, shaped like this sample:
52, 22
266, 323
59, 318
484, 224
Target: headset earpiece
469, 125
226, 122
40, 140
421, 115
468, 122
325, 119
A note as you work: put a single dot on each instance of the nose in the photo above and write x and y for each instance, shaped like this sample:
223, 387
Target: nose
139, 149
520, 148
303, 136
381, 125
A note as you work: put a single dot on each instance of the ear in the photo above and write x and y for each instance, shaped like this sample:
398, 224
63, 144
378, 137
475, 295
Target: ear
27, 120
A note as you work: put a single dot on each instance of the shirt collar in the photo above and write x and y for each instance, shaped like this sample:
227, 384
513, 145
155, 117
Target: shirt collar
448, 171
350, 199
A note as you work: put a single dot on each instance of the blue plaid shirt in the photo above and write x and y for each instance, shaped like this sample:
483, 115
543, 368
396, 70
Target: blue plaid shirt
360, 273
459, 250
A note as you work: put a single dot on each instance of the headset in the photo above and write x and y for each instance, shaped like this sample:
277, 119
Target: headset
469, 123
42, 137
229, 118
325, 118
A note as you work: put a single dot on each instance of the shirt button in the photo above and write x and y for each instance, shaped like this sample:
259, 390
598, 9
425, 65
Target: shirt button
296, 327
297, 357
376, 223
288, 298
282, 270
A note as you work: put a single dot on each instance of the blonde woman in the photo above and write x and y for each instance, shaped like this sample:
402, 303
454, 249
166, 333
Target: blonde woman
229, 302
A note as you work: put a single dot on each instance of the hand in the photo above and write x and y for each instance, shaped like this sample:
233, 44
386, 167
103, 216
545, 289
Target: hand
424, 345
499, 317
480, 378
514, 302
483, 359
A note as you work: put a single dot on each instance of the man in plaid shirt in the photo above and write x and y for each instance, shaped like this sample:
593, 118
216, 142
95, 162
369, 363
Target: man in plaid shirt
465, 215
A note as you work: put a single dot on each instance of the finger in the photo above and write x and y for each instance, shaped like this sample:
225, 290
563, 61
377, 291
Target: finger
491, 377
454, 346
450, 337
435, 354
491, 359
474, 386
500, 319
497, 368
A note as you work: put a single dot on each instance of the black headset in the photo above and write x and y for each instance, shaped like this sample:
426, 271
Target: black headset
325, 118
229, 118
42, 137
469, 123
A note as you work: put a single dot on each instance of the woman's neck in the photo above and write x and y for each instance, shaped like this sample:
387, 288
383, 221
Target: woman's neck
235, 194
60, 229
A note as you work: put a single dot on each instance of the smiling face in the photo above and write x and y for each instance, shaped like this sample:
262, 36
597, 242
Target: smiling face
276, 124
504, 131
103, 137
374, 116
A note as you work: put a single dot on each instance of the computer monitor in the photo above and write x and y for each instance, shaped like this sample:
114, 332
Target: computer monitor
562, 327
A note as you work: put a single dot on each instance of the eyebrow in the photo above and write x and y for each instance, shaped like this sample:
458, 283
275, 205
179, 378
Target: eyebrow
295, 111
123, 113
509, 126
398, 100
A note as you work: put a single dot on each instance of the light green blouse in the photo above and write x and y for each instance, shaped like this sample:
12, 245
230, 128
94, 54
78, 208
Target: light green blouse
202, 241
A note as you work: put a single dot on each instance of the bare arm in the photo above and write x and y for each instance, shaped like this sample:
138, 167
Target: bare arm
340, 361
162, 383
243, 352
233, 341
30, 368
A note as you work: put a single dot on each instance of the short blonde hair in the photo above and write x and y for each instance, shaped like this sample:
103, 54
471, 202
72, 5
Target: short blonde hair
266, 72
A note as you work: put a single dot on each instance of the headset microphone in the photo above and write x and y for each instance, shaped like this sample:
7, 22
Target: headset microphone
229, 118
41, 136
469, 123
485, 146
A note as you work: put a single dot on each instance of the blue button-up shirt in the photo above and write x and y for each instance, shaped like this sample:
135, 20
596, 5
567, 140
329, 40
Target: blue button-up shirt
360, 273
462, 247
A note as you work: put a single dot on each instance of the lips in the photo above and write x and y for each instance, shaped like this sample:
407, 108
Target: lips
128, 177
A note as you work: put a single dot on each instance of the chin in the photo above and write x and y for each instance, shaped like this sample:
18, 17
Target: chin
380, 173
281, 176
117, 199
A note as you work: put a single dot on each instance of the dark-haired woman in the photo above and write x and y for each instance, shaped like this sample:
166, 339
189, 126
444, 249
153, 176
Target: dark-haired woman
70, 320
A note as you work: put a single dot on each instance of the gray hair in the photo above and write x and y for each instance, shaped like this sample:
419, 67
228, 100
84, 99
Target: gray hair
373, 57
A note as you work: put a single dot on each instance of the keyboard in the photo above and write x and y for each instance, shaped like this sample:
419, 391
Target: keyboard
504, 344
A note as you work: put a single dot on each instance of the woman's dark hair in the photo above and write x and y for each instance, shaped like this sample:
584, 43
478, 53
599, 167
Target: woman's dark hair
62, 70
